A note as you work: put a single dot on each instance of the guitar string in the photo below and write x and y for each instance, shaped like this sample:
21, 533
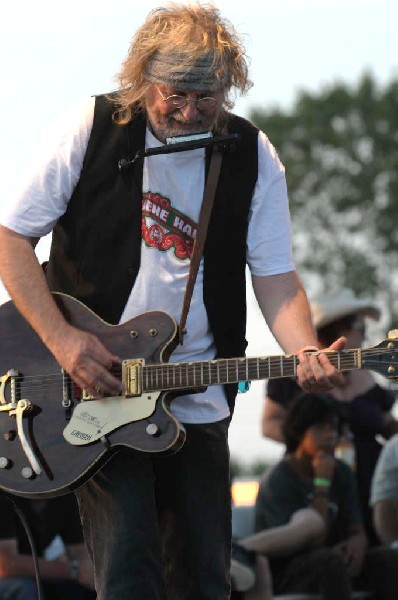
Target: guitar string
226, 363
218, 364
246, 368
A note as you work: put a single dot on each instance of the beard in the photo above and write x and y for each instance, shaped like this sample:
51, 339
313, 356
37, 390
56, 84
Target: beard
174, 124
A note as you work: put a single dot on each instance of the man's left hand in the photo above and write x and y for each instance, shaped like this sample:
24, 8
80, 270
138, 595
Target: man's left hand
315, 372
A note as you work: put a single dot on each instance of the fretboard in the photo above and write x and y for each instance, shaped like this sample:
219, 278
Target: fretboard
190, 375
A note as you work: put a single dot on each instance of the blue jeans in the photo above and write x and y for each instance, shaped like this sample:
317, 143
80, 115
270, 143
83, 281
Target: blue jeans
159, 527
18, 588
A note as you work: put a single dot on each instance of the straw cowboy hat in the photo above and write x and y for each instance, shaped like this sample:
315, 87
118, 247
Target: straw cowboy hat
336, 305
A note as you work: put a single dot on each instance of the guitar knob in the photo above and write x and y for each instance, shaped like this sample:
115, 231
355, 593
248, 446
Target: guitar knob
5, 463
10, 435
152, 429
27, 473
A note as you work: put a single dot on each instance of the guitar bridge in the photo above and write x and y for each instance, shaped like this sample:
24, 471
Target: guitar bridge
132, 376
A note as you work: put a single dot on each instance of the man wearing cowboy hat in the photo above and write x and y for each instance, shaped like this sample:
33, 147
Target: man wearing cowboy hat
364, 405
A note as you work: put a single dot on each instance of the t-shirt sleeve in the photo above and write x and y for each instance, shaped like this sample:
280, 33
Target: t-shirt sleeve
386, 398
385, 477
368, 411
279, 497
269, 245
44, 190
282, 390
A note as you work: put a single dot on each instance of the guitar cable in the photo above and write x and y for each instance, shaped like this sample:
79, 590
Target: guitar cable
28, 532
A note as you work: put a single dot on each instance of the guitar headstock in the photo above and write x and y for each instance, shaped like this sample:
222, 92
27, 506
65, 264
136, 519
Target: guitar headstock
383, 358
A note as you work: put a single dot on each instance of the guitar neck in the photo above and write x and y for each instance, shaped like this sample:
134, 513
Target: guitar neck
191, 375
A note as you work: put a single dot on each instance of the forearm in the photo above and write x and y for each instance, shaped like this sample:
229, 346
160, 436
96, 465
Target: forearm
304, 530
323, 464
272, 429
22, 565
284, 305
321, 505
60, 568
24, 280
385, 517
77, 566
81, 354
272, 420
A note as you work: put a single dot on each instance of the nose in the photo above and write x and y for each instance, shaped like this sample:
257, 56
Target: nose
190, 110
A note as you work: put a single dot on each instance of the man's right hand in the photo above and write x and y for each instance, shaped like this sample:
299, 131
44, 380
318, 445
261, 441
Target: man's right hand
83, 356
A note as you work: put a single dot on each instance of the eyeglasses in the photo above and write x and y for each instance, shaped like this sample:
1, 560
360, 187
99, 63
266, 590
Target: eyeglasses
204, 104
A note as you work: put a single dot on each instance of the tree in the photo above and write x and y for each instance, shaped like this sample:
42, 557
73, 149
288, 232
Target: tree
253, 469
339, 148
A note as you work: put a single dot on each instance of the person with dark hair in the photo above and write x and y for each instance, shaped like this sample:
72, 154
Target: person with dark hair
310, 476
304, 413
65, 570
124, 211
384, 494
364, 406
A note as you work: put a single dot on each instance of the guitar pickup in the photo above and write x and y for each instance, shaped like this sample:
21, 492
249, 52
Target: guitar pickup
132, 376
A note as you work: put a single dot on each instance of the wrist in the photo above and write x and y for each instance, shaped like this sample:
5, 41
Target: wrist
310, 348
74, 569
320, 493
322, 482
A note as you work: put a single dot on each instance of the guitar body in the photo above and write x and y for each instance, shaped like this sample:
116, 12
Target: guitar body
40, 380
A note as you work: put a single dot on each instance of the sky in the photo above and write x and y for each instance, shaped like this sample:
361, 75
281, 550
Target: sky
54, 54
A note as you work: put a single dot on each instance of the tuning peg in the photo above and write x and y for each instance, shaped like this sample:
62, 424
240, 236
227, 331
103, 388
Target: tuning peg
393, 334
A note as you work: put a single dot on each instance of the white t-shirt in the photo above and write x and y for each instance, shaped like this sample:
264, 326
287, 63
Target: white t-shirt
172, 194
385, 477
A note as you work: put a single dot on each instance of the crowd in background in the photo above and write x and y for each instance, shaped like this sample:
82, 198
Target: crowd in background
331, 502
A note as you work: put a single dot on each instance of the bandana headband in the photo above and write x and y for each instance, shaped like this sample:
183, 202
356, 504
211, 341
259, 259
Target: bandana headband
179, 70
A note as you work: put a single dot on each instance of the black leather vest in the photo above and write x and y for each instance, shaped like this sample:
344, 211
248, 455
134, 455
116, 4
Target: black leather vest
95, 251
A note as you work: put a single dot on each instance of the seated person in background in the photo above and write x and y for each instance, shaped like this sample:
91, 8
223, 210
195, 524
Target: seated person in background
364, 406
309, 476
250, 570
66, 577
384, 494
250, 576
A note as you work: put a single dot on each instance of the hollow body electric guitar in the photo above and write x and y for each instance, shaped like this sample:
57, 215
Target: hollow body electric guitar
53, 436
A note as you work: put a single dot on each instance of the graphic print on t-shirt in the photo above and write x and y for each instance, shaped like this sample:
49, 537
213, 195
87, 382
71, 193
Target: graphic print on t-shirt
165, 228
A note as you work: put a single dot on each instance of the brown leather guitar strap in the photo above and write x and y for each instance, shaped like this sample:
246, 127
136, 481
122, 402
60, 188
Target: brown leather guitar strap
204, 218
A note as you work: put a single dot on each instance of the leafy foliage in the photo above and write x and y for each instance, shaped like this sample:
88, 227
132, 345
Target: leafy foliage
339, 148
254, 469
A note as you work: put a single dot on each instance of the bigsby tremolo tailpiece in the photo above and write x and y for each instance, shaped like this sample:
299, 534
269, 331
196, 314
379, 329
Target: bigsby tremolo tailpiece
18, 408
